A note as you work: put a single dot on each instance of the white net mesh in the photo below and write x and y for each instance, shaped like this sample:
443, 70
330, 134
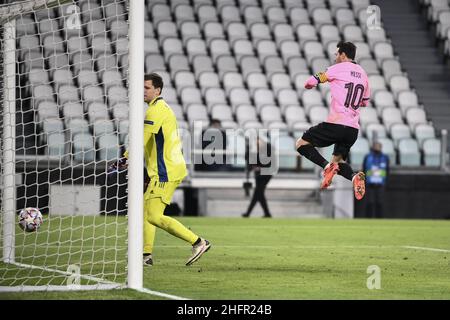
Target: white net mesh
71, 121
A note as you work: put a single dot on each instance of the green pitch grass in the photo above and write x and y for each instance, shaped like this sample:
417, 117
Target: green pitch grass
283, 259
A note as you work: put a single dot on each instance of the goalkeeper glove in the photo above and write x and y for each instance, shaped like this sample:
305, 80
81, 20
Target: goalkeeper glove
118, 166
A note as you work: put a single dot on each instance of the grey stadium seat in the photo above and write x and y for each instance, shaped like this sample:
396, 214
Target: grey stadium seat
97, 111
83, 148
409, 154
358, 151
73, 110
108, 147
432, 152
423, 132
67, 93
56, 144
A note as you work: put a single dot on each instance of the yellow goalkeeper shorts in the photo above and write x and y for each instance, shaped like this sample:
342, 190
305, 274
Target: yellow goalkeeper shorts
163, 190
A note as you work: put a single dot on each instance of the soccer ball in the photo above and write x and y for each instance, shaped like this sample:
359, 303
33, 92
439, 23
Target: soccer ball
30, 219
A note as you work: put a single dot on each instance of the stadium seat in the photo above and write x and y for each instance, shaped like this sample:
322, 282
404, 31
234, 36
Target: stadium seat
213, 30
226, 64
432, 152
313, 49
107, 147
409, 154
294, 114
423, 132
219, 47
183, 12
256, 81
76, 126
116, 95
318, 114
328, 32
391, 116
239, 96
83, 148
236, 31
232, 80
270, 114
87, 78
66, 93
273, 65
190, 30
344, 17
245, 113
358, 151
353, 33
266, 48
287, 97
383, 99
398, 84
92, 93
97, 111
375, 131
229, 14
214, 96
253, 15
207, 14
56, 144
398, 132
383, 51
280, 81
391, 67
370, 66
415, 116
406, 100
387, 147
299, 16
321, 16
243, 48
201, 64
221, 112
368, 115
102, 127
311, 98
276, 15
263, 97
190, 95
287, 144
197, 112
283, 32
297, 65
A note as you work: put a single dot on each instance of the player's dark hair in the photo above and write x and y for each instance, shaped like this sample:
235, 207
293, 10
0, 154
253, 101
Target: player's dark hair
348, 48
157, 80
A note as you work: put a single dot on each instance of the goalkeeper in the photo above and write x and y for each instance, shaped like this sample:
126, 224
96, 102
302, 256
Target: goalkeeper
166, 169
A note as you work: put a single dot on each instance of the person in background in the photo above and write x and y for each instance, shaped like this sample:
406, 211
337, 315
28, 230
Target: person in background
261, 180
376, 169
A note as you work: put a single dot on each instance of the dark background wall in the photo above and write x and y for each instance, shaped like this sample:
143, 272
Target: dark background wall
414, 196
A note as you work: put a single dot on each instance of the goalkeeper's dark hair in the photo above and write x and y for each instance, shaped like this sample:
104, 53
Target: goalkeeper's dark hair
348, 48
157, 80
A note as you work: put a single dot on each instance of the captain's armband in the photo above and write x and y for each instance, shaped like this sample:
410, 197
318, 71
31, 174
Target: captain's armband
321, 77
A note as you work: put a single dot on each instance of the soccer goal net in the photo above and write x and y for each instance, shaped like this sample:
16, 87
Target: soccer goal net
65, 96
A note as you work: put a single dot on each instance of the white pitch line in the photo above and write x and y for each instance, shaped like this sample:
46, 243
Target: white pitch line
99, 280
425, 248
161, 294
114, 285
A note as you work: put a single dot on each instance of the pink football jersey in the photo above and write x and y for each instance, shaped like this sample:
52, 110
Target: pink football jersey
350, 90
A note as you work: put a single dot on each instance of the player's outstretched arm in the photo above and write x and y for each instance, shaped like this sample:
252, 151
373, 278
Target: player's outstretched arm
314, 80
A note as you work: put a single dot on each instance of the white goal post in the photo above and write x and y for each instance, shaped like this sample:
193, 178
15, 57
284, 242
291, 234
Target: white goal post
71, 94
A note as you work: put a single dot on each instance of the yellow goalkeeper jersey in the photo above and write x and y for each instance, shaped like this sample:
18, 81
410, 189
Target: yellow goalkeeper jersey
162, 145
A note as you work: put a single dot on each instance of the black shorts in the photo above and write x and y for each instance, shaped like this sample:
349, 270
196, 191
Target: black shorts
325, 134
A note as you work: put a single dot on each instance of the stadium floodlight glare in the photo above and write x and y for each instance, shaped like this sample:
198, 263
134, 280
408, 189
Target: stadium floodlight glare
68, 68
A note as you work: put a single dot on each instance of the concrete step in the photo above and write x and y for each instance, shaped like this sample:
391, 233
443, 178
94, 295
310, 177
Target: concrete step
278, 209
